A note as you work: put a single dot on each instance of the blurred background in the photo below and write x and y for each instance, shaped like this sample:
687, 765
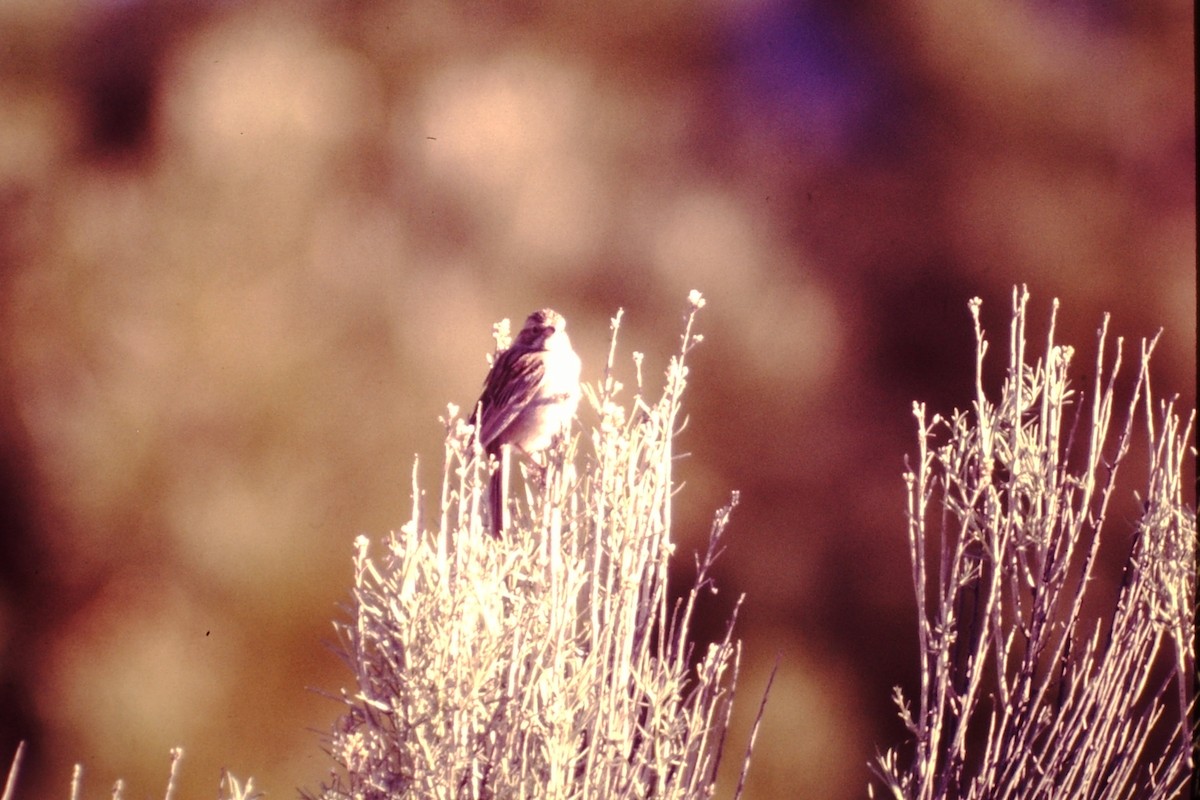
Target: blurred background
250, 250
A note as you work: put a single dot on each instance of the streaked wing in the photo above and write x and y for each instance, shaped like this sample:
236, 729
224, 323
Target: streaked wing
512, 384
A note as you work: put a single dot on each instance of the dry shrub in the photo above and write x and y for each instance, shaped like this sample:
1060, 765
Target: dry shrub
550, 663
1021, 695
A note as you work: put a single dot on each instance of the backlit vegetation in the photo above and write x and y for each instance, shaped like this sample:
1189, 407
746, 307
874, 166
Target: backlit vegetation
1023, 694
551, 663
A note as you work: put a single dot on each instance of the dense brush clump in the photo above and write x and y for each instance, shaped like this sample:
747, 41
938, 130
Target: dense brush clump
549, 663
1023, 694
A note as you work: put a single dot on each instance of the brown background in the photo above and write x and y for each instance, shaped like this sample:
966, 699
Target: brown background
249, 251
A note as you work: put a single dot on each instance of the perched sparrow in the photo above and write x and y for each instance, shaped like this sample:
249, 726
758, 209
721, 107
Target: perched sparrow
529, 399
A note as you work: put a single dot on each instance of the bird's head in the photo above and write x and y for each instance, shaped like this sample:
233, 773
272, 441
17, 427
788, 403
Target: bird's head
544, 329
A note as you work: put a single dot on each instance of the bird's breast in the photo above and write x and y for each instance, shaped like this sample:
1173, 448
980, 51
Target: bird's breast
553, 408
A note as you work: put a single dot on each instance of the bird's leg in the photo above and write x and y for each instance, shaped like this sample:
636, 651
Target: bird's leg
555, 459
552, 456
541, 463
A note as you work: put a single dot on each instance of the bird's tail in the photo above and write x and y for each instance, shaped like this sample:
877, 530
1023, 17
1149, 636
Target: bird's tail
497, 496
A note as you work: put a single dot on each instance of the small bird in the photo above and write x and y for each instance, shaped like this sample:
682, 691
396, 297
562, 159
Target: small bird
529, 399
